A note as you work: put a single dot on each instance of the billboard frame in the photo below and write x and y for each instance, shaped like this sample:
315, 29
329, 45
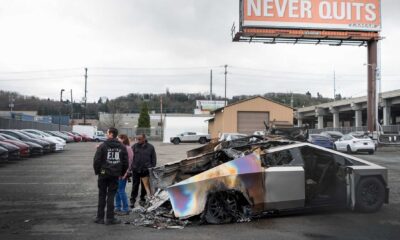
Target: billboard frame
306, 35
369, 39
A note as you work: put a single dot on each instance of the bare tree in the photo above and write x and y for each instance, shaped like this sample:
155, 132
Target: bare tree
114, 117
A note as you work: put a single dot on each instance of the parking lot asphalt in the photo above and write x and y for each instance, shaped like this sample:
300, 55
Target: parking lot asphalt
55, 196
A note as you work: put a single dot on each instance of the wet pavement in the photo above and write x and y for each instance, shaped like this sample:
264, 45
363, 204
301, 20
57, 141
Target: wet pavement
55, 196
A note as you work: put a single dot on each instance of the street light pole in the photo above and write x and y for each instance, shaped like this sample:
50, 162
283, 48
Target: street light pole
59, 113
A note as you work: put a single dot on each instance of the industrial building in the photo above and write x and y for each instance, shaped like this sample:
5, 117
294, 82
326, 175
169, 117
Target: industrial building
249, 115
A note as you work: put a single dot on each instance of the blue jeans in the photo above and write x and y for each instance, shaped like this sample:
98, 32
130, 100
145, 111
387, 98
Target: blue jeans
121, 198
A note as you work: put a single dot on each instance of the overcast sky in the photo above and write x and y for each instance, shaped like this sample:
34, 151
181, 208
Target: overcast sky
144, 46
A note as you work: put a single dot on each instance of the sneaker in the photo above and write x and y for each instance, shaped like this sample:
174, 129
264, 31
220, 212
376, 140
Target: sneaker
112, 221
98, 220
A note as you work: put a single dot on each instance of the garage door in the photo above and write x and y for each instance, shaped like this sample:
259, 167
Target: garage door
248, 122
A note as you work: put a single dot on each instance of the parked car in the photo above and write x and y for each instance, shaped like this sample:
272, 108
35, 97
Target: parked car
335, 135
321, 140
352, 144
53, 145
259, 133
21, 136
3, 154
13, 151
188, 137
34, 148
24, 150
75, 137
99, 136
85, 138
269, 177
231, 136
60, 143
360, 134
67, 138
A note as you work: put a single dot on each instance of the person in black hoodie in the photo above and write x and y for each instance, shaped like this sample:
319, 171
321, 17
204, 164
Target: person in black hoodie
144, 157
110, 162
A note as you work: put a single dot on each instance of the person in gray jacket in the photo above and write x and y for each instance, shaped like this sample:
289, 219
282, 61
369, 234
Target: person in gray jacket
144, 157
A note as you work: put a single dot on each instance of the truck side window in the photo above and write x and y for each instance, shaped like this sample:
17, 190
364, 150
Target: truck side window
279, 158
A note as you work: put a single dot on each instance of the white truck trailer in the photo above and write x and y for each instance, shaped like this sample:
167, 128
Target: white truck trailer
90, 131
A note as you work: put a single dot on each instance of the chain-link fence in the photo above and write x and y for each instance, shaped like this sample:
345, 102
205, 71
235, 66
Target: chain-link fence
153, 134
7, 123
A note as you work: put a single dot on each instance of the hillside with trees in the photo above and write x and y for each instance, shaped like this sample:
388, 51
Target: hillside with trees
132, 103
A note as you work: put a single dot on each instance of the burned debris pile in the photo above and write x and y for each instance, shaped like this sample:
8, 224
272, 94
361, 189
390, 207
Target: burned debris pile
240, 153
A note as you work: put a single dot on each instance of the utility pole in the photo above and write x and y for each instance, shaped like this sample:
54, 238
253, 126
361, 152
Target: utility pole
72, 107
226, 72
211, 76
372, 69
59, 113
161, 118
11, 102
334, 85
291, 101
84, 110
11, 105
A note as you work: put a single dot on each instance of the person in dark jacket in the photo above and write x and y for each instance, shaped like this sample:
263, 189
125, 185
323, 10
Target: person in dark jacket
144, 157
110, 162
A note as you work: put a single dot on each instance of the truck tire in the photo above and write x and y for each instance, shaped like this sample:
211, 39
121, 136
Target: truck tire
349, 149
202, 140
221, 208
370, 195
176, 141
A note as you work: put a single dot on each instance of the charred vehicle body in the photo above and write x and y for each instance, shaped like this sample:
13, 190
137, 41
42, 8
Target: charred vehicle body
253, 176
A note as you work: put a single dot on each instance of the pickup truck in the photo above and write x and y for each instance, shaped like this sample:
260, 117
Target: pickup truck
201, 138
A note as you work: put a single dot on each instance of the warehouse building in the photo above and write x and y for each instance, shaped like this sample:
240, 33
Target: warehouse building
249, 115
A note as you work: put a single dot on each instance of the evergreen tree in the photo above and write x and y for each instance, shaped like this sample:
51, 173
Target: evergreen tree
144, 120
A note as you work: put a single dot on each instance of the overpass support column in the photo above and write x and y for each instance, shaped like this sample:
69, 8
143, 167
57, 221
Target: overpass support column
386, 113
320, 113
320, 122
358, 118
299, 122
358, 114
335, 113
299, 117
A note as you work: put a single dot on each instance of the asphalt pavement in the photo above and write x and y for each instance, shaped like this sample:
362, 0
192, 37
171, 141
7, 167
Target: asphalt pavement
55, 196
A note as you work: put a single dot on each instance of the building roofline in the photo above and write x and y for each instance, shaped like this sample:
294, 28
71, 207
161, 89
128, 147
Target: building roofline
248, 99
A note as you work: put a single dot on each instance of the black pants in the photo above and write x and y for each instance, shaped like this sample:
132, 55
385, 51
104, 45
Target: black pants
135, 187
108, 186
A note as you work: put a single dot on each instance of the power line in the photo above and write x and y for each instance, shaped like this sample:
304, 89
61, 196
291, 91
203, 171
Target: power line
41, 71
152, 68
38, 78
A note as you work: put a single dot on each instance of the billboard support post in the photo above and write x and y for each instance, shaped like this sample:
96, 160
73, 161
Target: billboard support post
372, 70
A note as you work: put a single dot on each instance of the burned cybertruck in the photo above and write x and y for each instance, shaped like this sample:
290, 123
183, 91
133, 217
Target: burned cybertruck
223, 181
